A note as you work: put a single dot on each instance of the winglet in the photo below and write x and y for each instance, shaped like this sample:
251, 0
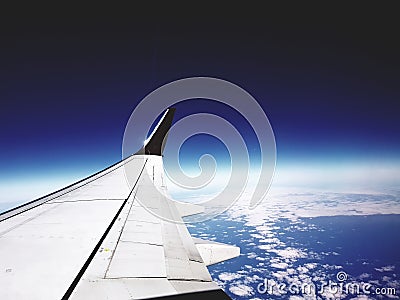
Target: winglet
155, 143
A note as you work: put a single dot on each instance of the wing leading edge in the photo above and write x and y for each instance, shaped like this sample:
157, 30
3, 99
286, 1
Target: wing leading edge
95, 239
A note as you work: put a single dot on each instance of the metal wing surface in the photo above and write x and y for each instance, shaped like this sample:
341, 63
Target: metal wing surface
96, 240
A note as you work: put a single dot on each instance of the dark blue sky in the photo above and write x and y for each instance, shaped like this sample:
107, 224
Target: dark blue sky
329, 82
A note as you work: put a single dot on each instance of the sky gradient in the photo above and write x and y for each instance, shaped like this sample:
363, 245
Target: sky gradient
328, 82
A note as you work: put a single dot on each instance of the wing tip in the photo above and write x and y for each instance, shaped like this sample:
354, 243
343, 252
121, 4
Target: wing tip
155, 144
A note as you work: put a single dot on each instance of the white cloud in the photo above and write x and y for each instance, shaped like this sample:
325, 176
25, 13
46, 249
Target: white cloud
295, 203
311, 266
226, 276
290, 253
241, 290
302, 269
385, 269
280, 265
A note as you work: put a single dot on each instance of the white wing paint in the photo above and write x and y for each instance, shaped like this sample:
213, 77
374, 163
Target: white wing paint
94, 240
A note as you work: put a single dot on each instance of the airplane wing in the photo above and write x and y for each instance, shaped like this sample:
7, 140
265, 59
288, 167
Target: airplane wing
95, 240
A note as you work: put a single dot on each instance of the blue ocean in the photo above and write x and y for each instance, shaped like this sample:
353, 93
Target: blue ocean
328, 257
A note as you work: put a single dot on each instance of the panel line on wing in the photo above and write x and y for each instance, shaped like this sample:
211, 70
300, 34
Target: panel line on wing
96, 248
28, 220
123, 226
